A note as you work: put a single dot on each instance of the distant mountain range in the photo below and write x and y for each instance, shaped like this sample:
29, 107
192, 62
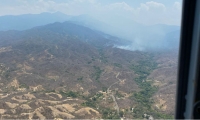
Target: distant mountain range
72, 69
56, 30
27, 21
141, 37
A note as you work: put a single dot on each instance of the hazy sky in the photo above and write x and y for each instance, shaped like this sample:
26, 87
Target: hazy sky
143, 11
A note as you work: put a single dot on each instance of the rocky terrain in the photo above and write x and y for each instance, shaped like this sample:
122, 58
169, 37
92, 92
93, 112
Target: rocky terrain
67, 71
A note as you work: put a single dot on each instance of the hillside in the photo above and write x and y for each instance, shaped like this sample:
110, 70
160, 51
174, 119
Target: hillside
64, 70
139, 36
27, 21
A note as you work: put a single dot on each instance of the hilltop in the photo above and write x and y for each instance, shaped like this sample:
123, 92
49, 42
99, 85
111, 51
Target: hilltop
66, 70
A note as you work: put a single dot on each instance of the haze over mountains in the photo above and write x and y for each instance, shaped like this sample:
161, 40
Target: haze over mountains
56, 66
141, 37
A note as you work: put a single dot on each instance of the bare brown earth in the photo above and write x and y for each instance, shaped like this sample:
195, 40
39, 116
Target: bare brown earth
31, 86
31, 106
165, 77
33, 95
47, 75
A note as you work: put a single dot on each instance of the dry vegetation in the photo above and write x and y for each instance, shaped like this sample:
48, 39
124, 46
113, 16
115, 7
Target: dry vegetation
45, 75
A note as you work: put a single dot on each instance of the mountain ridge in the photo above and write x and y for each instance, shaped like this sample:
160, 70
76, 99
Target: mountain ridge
65, 70
141, 36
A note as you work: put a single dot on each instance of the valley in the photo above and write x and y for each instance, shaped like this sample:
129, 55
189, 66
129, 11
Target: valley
54, 72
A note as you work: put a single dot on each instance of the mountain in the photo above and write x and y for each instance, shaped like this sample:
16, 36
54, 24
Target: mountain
65, 70
65, 29
27, 21
148, 37
95, 24
142, 37
56, 62
153, 37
